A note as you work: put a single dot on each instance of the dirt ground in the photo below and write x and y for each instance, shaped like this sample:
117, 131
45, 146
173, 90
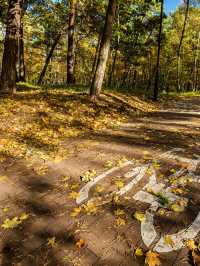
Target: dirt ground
42, 224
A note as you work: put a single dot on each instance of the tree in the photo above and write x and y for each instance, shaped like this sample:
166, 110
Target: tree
8, 74
51, 37
70, 53
98, 77
180, 44
21, 73
156, 86
50, 54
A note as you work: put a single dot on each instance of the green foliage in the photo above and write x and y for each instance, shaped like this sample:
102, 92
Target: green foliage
134, 44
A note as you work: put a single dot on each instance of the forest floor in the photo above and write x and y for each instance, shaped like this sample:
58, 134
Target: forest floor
85, 183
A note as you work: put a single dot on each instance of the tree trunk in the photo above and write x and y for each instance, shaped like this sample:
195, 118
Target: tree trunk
180, 45
134, 79
8, 74
98, 78
21, 63
71, 48
196, 63
48, 58
21, 75
156, 85
112, 68
96, 57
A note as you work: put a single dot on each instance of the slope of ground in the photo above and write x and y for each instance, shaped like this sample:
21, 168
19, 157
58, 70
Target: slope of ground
38, 122
46, 217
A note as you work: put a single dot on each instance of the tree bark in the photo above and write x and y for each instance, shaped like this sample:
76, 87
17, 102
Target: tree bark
21, 62
156, 85
96, 57
180, 44
196, 63
8, 74
112, 68
21, 73
71, 43
48, 58
50, 54
98, 77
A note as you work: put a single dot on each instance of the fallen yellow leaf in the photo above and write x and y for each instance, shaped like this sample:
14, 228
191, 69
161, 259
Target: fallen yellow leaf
108, 164
80, 243
24, 217
11, 223
51, 241
6, 209
75, 212
74, 186
168, 240
139, 216
191, 244
90, 208
73, 195
119, 221
119, 212
152, 259
119, 184
139, 252
99, 189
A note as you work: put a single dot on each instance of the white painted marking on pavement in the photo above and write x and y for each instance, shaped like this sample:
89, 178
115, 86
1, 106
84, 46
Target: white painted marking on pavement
193, 163
140, 172
83, 193
179, 238
148, 231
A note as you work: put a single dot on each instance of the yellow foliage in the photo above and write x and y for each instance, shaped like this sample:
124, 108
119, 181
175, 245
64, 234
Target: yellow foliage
119, 212
90, 208
152, 259
120, 221
73, 195
108, 164
15, 221
51, 241
139, 216
11, 223
191, 244
119, 183
168, 240
139, 252
80, 243
88, 176
99, 189
75, 212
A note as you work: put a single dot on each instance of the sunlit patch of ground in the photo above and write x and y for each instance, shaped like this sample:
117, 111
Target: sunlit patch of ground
53, 142
36, 122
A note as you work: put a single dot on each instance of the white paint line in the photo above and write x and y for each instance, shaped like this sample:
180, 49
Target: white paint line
193, 163
148, 231
141, 170
84, 192
178, 173
152, 180
133, 172
145, 197
179, 238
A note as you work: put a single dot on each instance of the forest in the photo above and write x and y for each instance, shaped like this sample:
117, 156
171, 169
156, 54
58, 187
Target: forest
129, 44
99, 132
